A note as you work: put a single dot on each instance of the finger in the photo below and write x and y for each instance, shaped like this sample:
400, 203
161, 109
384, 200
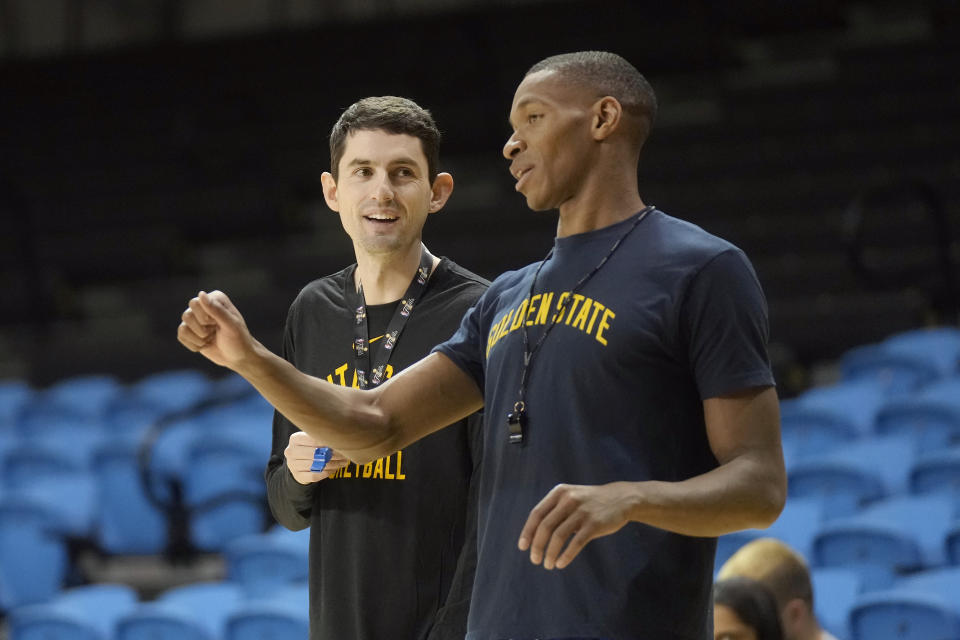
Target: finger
558, 538
545, 531
303, 439
191, 319
189, 339
576, 545
218, 306
200, 313
533, 521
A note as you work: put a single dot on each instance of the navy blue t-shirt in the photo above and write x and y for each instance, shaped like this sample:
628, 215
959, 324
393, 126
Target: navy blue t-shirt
615, 394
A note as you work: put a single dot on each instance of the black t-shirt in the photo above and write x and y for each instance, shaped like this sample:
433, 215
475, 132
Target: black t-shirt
393, 542
615, 394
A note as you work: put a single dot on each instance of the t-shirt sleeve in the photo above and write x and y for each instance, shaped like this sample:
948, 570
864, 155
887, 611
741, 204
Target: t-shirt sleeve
723, 321
466, 346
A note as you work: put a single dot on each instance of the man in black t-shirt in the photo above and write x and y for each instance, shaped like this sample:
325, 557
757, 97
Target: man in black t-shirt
393, 541
630, 414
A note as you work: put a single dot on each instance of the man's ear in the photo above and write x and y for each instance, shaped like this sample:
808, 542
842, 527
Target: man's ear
330, 190
793, 613
440, 191
607, 115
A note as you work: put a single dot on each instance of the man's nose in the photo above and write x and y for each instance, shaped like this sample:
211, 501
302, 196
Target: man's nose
512, 148
383, 191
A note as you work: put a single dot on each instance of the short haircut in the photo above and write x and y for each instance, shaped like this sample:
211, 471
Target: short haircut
393, 115
753, 603
609, 75
776, 565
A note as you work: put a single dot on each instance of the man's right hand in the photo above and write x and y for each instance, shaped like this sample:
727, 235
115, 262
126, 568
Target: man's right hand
299, 455
212, 326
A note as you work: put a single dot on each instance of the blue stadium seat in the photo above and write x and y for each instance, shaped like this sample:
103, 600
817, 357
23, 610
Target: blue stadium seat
887, 538
127, 521
825, 417
33, 560
56, 479
88, 612
262, 563
920, 607
224, 492
86, 396
855, 474
937, 472
835, 591
172, 391
899, 373
284, 615
952, 543
938, 346
190, 612
14, 395
931, 415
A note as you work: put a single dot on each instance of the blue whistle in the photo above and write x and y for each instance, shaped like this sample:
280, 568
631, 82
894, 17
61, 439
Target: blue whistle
321, 456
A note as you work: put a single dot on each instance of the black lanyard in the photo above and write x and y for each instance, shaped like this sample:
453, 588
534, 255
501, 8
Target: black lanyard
361, 332
517, 419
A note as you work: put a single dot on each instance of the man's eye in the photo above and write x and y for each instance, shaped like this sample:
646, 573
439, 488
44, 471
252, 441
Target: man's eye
363, 171
404, 172
533, 117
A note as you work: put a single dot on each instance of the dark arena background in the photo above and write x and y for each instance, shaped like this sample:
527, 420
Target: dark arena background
153, 148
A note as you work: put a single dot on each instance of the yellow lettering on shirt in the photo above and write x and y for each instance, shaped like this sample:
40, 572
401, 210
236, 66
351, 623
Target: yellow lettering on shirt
580, 322
519, 315
561, 305
608, 315
378, 468
544, 307
530, 309
577, 298
367, 470
574, 310
400, 474
340, 371
596, 309
386, 469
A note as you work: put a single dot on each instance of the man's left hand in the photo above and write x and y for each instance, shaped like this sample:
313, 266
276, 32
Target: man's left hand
573, 515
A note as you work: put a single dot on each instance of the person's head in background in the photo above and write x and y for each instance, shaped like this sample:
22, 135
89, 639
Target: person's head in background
785, 573
744, 609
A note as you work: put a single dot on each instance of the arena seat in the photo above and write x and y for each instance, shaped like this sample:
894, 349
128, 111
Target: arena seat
835, 591
827, 416
854, 475
87, 612
920, 607
887, 538
263, 562
33, 559
931, 415
285, 614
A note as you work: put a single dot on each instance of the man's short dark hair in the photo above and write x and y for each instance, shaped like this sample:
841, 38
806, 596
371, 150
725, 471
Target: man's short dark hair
609, 75
393, 115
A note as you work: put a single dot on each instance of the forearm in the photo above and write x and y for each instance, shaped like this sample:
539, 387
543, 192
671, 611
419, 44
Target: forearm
348, 420
744, 493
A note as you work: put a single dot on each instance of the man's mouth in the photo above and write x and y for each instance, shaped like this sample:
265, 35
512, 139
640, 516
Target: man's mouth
381, 218
520, 175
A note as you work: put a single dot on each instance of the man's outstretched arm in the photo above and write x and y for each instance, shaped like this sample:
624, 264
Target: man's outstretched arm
363, 425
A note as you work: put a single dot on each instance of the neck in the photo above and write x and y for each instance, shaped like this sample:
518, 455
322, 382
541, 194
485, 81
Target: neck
605, 198
386, 277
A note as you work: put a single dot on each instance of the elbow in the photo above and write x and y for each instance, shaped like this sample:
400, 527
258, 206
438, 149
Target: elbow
381, 437
771, 501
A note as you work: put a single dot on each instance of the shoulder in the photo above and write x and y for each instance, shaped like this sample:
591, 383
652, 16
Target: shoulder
452, 284
324, 292
684, 241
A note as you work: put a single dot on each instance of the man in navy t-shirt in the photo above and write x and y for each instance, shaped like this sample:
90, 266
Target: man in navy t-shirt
630, 414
